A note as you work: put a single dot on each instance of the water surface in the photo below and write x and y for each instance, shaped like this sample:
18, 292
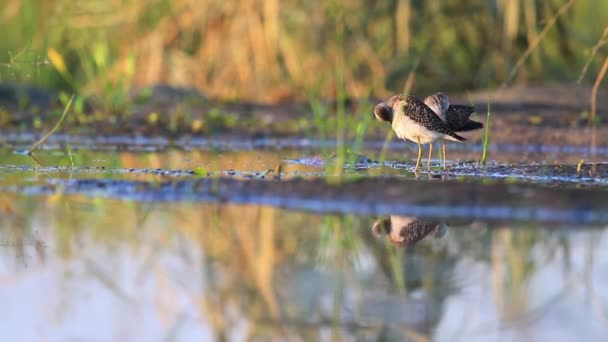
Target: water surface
71, 265
79, 263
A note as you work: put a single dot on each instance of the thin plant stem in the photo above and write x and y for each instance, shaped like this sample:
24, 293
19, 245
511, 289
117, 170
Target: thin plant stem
385, 147
57, 125
486, 136
601, 42
411, 77
341, 97
534, 44
67, 142
596, 85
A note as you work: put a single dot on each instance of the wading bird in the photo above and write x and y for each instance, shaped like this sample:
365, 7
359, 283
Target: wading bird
411, 119
455, 116
405, 230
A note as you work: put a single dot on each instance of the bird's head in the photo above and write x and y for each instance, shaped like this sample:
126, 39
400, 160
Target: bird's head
384, 110
381, 227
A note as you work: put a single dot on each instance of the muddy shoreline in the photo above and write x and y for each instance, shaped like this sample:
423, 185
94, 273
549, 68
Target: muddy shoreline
526, 115
542, 122
370, 196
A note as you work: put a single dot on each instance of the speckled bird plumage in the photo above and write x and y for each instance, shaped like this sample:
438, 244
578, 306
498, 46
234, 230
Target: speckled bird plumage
413, 120
405, 231
456, 116
426, 122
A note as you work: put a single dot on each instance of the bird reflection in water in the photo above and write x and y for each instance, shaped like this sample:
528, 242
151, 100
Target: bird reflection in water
405, 231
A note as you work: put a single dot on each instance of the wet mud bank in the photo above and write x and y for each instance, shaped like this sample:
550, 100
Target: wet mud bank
371, 196
561, 175
527, 115
584, 174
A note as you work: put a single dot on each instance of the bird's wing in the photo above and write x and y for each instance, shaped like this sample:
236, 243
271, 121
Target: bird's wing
457, 118
431, 104
420, 113
458, 115
415, 231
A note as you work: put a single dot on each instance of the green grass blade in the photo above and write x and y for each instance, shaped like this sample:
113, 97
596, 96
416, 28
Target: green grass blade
486, 137
57, 125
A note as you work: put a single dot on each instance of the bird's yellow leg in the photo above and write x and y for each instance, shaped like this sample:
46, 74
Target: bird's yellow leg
443, 150
419, 156
428, 161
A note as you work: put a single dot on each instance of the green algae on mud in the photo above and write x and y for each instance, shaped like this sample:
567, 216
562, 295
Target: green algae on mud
367, 186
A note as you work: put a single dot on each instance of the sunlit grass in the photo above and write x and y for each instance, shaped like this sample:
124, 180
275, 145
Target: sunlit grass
359, 127
277, 50
385, 149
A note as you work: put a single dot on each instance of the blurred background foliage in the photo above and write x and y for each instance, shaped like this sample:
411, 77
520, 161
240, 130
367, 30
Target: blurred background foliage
271, 50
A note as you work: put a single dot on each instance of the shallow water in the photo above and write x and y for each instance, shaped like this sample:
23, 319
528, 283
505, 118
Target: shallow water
77, 267
138, 244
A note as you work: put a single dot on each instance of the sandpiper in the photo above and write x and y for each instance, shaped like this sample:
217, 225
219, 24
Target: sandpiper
455, 116
405, 230
411, 119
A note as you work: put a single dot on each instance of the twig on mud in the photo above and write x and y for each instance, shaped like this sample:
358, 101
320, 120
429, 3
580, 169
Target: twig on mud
38, 163
596, 85
57, 125
277, 171
534, 44
579, 167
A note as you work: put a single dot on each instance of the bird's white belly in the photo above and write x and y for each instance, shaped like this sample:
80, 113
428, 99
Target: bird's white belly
397, 223
405, 128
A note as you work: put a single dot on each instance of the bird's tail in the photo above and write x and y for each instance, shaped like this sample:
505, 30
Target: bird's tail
454, 137
470, 126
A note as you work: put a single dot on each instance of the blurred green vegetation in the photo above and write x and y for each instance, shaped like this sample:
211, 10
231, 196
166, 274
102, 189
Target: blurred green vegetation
271, 50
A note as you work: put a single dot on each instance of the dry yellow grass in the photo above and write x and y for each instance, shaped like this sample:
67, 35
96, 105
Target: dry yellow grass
271, 50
